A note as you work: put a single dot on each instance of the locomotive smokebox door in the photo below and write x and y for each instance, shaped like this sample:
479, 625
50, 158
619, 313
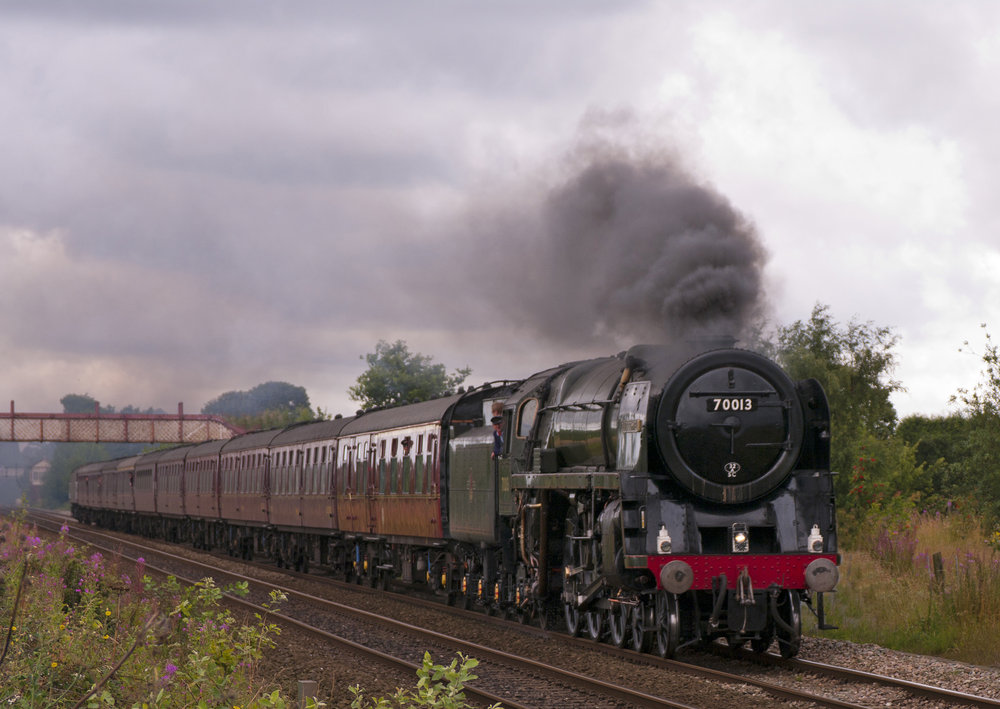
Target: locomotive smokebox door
730, 426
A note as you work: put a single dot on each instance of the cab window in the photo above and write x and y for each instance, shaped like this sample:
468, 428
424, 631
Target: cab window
526, 417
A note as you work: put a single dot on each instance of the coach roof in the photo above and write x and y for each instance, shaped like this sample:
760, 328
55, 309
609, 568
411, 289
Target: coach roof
431, 411
258, 439
178, 453
311, 431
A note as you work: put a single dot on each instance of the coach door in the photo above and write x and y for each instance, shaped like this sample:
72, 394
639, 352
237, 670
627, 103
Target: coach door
376, 482
352, 512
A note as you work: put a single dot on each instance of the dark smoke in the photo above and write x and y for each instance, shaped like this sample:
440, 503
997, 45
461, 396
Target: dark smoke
627, 248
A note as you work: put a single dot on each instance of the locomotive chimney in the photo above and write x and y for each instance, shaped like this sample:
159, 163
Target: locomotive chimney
713, 342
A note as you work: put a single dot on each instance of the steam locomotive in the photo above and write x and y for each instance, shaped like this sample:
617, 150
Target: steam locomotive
659, 498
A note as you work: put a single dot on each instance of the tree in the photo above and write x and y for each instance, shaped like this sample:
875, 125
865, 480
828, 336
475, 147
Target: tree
941, 446
980, 473
82, 404
396, 376
267, 405
854, 363
269, 396
67, 458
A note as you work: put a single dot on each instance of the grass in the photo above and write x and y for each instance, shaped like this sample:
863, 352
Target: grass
891, 593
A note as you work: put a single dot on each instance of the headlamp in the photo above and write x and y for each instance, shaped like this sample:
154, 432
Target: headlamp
740, 535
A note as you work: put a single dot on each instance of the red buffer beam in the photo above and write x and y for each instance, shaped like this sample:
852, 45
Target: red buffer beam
114, 428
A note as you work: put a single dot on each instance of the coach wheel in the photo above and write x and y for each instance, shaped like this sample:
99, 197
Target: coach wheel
617, 625
788, 619
668, 624
302, 561
641, 618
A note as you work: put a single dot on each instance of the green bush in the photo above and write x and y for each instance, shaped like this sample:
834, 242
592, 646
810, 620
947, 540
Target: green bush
438, 686
82, 630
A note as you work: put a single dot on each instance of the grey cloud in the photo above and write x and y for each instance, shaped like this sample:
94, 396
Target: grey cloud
272, 167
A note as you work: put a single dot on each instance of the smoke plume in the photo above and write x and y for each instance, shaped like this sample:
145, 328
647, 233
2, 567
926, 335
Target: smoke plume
626, 248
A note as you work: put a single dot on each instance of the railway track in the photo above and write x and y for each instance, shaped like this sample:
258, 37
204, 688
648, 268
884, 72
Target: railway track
556, 684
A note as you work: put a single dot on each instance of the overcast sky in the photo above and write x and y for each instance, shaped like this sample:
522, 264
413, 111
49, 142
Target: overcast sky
199, 196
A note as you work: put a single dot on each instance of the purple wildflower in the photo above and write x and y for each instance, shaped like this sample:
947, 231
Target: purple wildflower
169, 671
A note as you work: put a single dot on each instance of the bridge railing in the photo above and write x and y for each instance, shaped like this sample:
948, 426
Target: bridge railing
114, 428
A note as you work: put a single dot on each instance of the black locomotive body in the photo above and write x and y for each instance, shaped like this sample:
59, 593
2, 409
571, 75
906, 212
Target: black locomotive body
656, 498
679, 499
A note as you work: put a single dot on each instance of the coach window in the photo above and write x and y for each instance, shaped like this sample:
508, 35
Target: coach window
369, 479
347, 478
357, 465
345, 466
406, 477
432, 465
382, 471
394, 468
418, 467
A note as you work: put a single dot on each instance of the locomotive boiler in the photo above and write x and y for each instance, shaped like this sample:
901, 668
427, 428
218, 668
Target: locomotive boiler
658, 498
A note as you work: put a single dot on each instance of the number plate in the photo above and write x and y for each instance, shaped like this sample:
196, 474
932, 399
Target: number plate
731, 403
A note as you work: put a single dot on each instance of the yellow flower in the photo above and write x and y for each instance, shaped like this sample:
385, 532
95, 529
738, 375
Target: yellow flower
106, 637
107, 612
55, 664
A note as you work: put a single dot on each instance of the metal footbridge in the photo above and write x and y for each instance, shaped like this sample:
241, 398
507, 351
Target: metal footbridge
99, 427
